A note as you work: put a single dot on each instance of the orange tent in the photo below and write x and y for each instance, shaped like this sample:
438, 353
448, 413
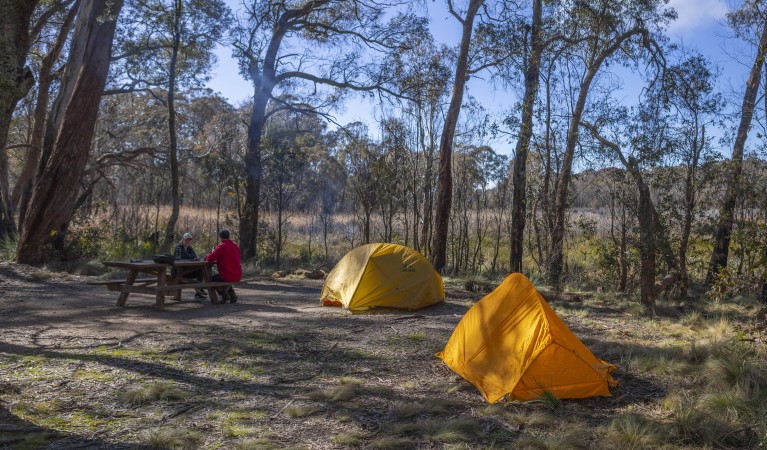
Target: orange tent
383, 275
512, 343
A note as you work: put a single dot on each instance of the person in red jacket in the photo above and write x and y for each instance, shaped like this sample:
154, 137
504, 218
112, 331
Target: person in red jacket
227, 258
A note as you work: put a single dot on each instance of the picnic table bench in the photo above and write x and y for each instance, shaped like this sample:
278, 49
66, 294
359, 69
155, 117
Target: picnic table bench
158, 282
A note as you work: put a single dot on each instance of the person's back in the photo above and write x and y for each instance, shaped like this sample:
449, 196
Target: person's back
227, 258
226, 255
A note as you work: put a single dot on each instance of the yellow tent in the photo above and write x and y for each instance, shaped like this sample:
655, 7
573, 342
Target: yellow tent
388, 275
512, 343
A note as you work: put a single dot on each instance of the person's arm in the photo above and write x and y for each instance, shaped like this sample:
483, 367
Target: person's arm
215, 254
191, 253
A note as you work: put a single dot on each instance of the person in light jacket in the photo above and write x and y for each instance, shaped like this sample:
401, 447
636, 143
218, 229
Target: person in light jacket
185, 252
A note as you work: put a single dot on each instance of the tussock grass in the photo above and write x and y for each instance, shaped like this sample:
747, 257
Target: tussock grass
434, 407
171, 438
635, 432
461, 429
548, 400
392, 443
418, 337
351, 381
234, 431
149, 393
258, 444
301, 411
520, 418
735, 370
726, 404
559, 440
692, 319
349, 439
42, 275
697, 426
338, 394
531, 419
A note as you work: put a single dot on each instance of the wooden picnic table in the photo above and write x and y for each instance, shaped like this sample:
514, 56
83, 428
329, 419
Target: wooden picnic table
157, 282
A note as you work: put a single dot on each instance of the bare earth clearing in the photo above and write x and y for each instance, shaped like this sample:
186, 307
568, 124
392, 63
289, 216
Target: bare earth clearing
275, 370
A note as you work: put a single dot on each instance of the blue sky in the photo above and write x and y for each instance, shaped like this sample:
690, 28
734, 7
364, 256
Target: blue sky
700, 26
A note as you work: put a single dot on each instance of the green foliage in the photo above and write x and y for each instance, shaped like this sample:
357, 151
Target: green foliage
8, 247
727, 285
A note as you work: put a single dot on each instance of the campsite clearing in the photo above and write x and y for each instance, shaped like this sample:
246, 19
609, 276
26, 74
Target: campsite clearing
277, 370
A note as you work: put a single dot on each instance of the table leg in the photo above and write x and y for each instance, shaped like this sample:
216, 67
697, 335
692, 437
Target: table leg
129, 282
160, 298
211, 291
179, 278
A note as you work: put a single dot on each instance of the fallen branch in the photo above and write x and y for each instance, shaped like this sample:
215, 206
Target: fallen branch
282, 409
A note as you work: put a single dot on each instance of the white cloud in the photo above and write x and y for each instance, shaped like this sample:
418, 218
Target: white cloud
695, 14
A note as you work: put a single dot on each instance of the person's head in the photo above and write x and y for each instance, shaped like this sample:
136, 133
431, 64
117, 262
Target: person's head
187, 239
223, 234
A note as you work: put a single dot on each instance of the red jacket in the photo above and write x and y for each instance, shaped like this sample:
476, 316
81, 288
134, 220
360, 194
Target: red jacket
227, 257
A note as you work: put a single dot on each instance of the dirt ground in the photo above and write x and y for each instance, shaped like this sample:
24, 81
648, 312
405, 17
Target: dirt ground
275, 370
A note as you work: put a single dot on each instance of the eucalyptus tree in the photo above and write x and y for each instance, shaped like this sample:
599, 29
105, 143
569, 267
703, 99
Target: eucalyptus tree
643, 143
289, 147
69, 131
361, 158
748, 22
445, 177
395, 182
16, 80
688, 89
595, 33
534, 46
224, 139
166, 45
424, 74
331, 176
118, 187
52, 47
316, 51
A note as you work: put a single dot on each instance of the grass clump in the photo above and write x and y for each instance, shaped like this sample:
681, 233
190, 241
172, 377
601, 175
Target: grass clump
172, 438
257, 444
392, 443
152, 392
560, 440
549, 400
436, 430
338, 394
635, 432
348, 439
301, 411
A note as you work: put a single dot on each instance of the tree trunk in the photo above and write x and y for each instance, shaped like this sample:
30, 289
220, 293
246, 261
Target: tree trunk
721, 250
263, 84
562, 187
22, 192
170, 227
647, 222
689, 206
73, 119
646, 240
445, 177
519, 200
15, 82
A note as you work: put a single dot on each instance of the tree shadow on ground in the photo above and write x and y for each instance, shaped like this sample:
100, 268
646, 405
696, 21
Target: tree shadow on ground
16, 432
